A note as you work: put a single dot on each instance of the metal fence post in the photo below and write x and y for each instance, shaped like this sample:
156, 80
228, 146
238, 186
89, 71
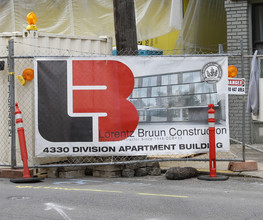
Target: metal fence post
220, 48
243, 102
11, 76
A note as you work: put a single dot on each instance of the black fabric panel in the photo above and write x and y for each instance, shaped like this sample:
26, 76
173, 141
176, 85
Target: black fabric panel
54, 123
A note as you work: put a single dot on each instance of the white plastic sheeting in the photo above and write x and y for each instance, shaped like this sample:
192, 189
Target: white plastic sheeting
203, 27
89, 18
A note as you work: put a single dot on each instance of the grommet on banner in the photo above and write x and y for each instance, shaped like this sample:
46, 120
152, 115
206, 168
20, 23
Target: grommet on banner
22, 142
212, 149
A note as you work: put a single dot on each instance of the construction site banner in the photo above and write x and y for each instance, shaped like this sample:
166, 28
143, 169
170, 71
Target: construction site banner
129, 105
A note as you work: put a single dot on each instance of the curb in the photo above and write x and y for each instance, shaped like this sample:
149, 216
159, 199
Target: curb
229, 173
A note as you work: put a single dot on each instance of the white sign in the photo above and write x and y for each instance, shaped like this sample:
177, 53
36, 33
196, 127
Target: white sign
236, 86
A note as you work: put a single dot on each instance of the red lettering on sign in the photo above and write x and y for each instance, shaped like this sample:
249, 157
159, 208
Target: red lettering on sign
122, 116
236, 82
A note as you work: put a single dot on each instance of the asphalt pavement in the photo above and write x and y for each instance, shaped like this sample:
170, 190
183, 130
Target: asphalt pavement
144, 198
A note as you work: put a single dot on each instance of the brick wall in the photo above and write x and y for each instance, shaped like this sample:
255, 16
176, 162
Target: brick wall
237, 29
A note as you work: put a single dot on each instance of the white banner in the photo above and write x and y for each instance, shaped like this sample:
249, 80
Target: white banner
129, 105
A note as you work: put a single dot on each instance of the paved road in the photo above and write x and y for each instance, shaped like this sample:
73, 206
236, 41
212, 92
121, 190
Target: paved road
147, 198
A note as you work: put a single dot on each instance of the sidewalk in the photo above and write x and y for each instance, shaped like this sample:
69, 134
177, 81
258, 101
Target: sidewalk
222, 167
203, 166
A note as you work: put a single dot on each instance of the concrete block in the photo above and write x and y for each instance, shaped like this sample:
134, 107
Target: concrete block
132, 166
106, 174
128, 173
141, 171
135, 165
141, 165
13, 173
154, 171
153, 164
88, 171
71, 168
249, 165
72, 174
41, 172
52, 173
108, 168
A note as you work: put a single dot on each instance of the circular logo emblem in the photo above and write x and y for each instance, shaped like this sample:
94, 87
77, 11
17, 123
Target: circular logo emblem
211, 72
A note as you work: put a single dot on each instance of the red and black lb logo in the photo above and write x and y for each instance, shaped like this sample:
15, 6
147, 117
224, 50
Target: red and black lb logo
85, 101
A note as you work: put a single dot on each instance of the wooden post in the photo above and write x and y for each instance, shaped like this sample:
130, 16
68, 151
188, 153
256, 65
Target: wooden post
125, 27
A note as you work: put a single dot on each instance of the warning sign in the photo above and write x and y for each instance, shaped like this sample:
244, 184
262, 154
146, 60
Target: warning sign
236, 86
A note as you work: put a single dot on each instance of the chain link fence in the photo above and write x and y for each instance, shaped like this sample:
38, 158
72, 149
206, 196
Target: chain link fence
23, 58
5, 116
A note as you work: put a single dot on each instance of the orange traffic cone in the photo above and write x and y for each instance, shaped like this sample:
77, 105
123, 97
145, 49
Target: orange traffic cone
22, 142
